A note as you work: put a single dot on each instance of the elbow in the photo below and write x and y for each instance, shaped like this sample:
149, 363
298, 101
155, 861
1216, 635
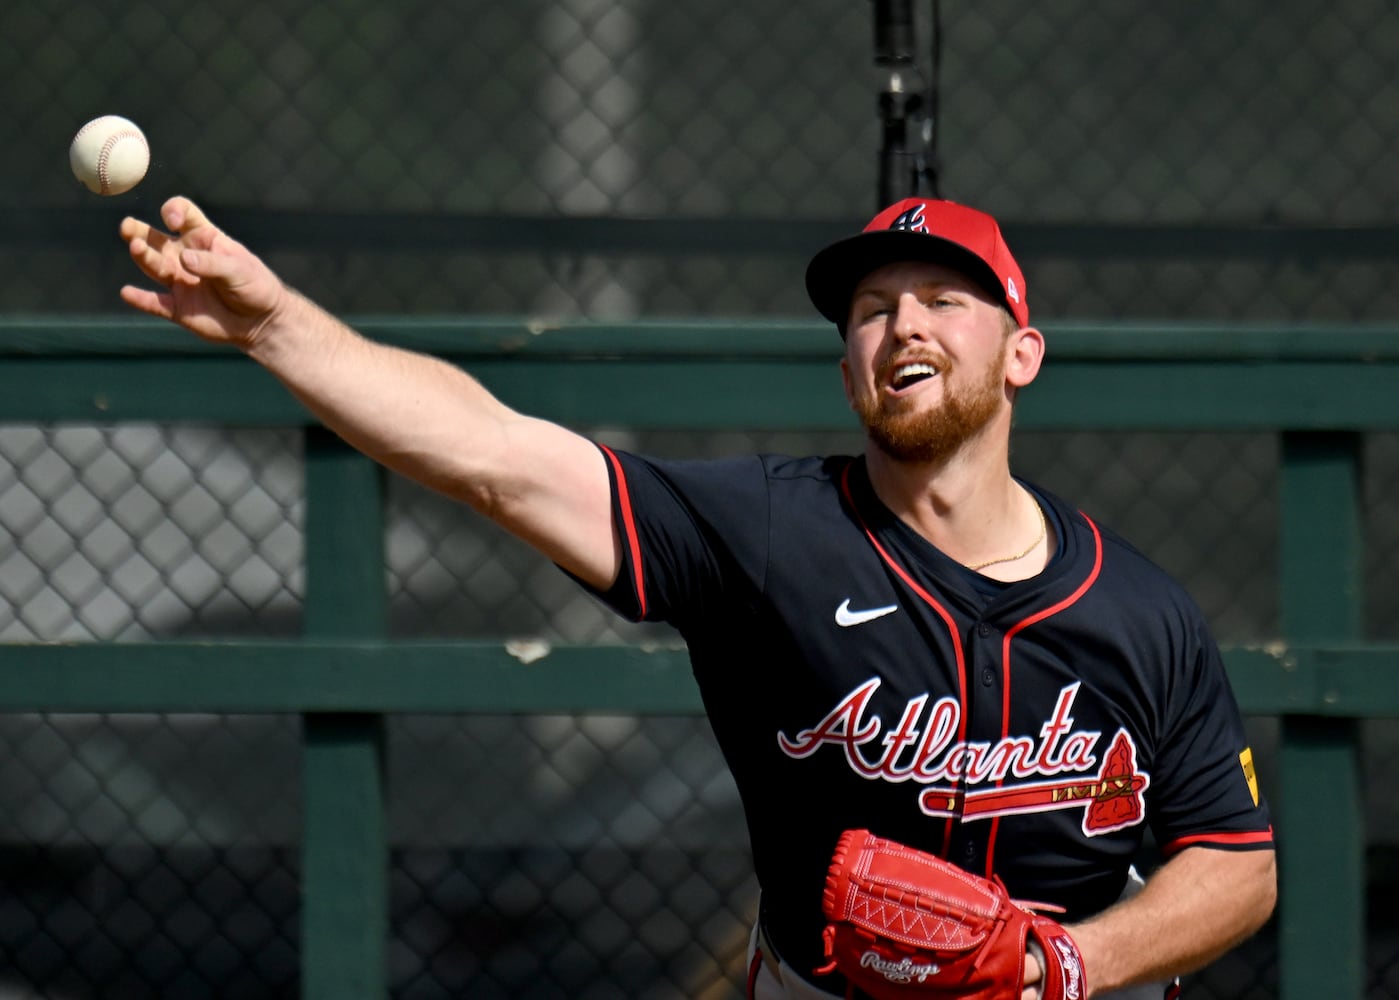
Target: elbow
1271, 886
1265, 891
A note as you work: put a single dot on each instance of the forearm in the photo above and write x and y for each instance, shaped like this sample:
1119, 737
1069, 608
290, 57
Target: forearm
416, 414
1195, 908
435, 424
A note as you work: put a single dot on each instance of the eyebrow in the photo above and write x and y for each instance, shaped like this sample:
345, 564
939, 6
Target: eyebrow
921, 288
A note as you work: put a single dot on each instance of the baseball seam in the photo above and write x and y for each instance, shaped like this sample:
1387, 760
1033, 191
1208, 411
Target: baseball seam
87, 128
105, 154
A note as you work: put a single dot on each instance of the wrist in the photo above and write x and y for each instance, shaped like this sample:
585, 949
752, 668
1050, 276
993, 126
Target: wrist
268, 335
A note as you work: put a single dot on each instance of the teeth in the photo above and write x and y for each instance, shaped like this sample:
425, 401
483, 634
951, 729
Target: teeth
905, 372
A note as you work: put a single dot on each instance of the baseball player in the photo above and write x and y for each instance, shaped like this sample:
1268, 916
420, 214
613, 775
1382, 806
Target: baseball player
911, 641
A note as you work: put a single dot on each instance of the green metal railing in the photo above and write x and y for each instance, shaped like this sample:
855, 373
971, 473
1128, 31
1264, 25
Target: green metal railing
1320, 390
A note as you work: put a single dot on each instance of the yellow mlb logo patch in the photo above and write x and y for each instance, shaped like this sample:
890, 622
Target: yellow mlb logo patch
1251, 776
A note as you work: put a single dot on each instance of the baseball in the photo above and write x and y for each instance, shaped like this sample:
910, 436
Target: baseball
109, 155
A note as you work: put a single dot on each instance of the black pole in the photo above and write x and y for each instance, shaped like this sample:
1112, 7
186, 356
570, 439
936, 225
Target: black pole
899, 167
930, 170
893, 32
900, 164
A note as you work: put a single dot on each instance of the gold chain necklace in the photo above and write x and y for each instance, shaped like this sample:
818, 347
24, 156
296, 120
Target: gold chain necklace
1044, 529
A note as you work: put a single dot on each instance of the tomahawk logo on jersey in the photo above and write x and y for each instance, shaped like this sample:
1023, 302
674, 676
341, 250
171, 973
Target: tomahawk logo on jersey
856, 677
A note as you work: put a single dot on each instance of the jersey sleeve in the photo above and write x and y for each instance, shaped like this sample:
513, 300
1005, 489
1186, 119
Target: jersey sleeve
1205, 788
694, 535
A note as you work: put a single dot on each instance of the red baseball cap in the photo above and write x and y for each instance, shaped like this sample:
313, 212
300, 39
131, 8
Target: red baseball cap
942, 232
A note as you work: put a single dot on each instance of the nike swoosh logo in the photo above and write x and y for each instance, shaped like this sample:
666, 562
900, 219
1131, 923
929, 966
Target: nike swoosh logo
845, 617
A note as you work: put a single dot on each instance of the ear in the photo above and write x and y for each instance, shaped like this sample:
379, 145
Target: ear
1024, 354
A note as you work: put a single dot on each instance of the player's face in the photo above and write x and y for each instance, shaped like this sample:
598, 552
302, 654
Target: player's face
925, 363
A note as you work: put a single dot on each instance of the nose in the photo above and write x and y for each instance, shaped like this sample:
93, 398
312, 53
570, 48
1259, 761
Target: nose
910, 318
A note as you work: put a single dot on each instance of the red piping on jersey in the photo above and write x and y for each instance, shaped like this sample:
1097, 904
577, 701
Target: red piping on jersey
1218, 839
1038, 616
754, 967
629, 522
951, 631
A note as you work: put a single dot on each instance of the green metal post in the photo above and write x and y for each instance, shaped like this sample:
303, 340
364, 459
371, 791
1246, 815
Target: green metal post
344, 841
1321, 832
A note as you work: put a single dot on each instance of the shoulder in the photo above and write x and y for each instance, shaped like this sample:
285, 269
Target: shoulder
1125, 572
784, 473
737, 493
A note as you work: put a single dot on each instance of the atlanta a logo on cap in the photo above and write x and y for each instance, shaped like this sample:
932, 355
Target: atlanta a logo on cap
911, 220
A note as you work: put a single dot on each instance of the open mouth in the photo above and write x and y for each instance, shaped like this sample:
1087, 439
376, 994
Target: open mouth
908, 375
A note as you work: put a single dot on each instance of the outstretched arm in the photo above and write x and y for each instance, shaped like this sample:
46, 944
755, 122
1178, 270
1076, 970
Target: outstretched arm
1195, 908
419, 416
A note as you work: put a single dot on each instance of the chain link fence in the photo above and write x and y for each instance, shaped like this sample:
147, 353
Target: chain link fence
468, 129
590, 854
602, 159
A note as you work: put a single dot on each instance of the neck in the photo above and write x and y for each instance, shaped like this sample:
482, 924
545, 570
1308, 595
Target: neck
969, 506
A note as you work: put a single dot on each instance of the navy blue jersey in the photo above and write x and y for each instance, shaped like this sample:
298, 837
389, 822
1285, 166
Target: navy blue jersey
855, 676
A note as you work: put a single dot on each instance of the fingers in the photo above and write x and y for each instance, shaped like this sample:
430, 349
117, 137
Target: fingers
157, 253
160, 304
205, 264
179, 214
145, 242
1034, 963
131, 229
183, 216
1034, 972
203, 272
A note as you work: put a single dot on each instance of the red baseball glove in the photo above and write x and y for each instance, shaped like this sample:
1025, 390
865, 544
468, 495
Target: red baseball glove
906, 925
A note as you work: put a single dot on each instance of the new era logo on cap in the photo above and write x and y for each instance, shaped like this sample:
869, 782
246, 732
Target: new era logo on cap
930, 229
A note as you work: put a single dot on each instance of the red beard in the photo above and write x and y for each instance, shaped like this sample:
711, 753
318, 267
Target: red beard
912, 434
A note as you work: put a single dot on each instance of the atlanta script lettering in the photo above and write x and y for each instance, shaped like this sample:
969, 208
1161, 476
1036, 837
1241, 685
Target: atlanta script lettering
923, 748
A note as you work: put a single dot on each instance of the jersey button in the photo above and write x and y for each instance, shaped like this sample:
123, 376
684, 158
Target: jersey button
988, 676
983, 630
